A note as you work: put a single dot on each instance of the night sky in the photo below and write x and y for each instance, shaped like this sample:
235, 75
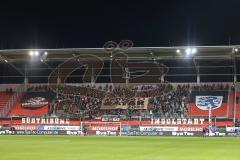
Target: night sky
147, 23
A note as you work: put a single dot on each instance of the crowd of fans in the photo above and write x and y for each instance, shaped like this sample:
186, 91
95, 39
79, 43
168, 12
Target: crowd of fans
169, 101
163, 100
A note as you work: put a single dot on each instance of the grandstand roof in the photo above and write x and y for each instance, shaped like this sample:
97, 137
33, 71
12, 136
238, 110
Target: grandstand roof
134, 52
212, 63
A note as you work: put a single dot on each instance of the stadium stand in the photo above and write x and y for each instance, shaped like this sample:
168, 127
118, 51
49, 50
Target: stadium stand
133, 88
4, 98
162, 100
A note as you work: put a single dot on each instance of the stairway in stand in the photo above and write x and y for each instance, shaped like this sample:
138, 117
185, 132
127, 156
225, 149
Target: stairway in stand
4, 98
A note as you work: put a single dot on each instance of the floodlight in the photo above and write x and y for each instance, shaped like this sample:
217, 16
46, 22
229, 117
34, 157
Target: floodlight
188, 51
194, 50
6, 60
178, 50
31, 53
36, 53
45, 53
236, 49
41, 60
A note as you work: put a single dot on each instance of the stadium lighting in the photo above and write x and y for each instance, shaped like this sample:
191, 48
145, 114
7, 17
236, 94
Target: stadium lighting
36, 53
236, 49
178, 50
194, 50
6, 61
188, 51
31, 53
191, 51
45, 53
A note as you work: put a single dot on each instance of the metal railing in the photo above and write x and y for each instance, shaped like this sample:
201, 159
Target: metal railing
6, 109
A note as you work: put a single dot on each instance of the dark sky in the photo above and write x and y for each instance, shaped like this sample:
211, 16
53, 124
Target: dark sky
147, 23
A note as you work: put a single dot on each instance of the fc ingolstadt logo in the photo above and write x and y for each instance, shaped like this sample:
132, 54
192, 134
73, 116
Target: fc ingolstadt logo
207, 102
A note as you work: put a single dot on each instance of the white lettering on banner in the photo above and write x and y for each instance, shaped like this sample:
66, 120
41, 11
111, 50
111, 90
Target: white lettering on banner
158, 128
190, 128
195, 121
178, 121
74, 132
106, 133
104, 128
55, 121
25, 127
173, 121
232, 129
62, 128
35, 104
38, 120
110, 119
182, 134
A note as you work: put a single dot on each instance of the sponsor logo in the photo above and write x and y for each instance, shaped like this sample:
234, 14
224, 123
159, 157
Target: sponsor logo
104, 128
106, 133
233, 134
38, 132
145, 133
25, 127
182, 133
190, 129
74, 132
158, 128
110, 119
219, 134
232, 129
206, 102
62, 128
7, 132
